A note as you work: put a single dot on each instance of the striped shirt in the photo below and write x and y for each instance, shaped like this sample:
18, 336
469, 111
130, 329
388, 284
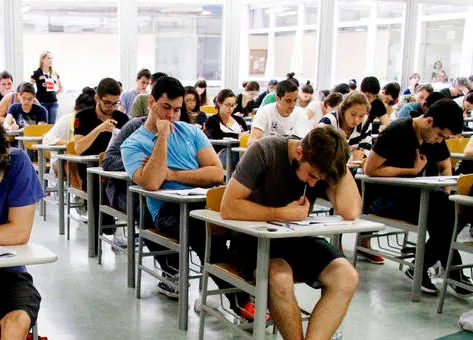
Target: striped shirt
360, 137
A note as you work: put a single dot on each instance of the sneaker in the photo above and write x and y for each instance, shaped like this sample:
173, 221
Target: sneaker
247, 312
426, 286
210, 303
371, 258
460, 291
75, 215
165, 289
119, 238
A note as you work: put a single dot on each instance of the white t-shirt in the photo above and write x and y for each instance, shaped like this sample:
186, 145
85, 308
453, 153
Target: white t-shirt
269, 120
304, 124
63, 129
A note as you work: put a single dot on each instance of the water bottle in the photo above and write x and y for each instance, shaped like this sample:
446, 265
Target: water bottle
338, 335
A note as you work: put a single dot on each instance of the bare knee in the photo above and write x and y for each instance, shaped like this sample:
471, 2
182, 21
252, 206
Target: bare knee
281, 280
15, 325
340, 275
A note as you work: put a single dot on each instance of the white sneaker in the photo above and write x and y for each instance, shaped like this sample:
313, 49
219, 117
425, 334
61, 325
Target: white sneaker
119, 238
211, 303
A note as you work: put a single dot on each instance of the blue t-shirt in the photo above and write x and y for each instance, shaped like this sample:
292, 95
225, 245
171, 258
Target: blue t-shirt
407, 109
126, 99
20, 185
183, 145
36, 115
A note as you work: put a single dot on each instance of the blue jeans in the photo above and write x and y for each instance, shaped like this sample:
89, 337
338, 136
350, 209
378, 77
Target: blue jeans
52, 111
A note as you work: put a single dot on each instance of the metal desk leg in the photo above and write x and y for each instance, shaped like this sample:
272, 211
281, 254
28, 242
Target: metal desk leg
130, 208
41, 180
229, 162
422, 225
60, 194
183, 266
92, 212
262, 270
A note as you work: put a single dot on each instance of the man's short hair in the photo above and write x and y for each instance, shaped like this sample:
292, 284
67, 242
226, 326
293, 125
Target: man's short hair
370, 85
155, 76
432, 98
462, 81
327, 150
446, 114
108, 86
285, 86
6, 75
392, 89
143, 73
273, 82
342, 88
26, 87
169, 85
426, 87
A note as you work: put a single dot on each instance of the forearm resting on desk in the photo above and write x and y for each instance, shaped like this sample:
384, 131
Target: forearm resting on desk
18, 228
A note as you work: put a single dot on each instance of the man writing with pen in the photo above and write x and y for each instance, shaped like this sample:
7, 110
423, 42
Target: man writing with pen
279, 179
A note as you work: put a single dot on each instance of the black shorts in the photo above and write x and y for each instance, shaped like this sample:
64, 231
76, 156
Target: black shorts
307, 256
18, 293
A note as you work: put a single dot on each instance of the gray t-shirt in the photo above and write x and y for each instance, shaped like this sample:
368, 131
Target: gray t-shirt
266, 171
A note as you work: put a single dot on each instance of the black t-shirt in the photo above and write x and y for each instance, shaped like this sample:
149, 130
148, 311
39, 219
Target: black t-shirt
267, 172
377, 109
86, 120
398, 144
45, 86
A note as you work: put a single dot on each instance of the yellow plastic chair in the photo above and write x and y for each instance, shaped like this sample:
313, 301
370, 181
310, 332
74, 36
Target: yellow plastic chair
456, 145
209, 109
35, 131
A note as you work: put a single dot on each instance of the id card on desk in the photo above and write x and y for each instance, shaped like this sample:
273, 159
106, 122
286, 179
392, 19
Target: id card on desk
5, 252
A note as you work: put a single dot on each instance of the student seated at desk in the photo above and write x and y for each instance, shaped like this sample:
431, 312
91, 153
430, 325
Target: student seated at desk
25, 112
166, 154
405, 148
278, 180
226, 124
19, 191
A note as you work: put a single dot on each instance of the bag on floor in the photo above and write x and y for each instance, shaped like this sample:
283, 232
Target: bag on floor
466, 321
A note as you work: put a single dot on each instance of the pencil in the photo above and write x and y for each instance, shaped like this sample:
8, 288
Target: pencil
305, 188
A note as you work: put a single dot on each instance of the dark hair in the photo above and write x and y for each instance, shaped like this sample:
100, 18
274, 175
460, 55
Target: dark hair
169, 85
327, 150
251, 86
432, 98
203, 85
351, 99
86, 99
26, 87
352, 84
156, 76
285, 86
222, 95
108, 86
275, 82
446, 114
370, 85
193, 91
470, 78
469, 97
438, 61
4, 150
323, 94
307, 88
426, 87
392, 89
333, 99
290, 76
143, 73
341, 88
413, 75
6, 75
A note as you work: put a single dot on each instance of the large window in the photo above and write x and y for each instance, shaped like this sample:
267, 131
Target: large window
82, 36
184, 40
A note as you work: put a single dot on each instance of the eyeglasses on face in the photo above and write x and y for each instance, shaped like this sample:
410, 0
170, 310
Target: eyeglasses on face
109, 103
231, 106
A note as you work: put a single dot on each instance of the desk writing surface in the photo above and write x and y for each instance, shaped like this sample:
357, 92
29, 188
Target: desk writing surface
225, 141
168, 195
28, 254
267, 230
415, 182
462, 156
49, 147
29, 138
78, 158
462, 199
110, 174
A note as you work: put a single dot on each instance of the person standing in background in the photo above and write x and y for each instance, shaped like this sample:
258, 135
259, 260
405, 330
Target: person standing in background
201, 87
439, 75
143, 78
48, 85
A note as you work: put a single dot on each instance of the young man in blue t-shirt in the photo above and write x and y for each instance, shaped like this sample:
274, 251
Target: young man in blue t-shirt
25, 112
19, 191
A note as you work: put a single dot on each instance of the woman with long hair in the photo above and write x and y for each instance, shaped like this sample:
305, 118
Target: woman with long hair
192, 103
48, 85
201, 87
246, 100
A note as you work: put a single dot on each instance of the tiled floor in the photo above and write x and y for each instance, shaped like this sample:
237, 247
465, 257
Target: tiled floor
84, 300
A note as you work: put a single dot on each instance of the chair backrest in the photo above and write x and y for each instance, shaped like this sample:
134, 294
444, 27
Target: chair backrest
35, 131
244, 140
209, 109
101, 157
70, 148
464, 184
214, 199
456, 145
